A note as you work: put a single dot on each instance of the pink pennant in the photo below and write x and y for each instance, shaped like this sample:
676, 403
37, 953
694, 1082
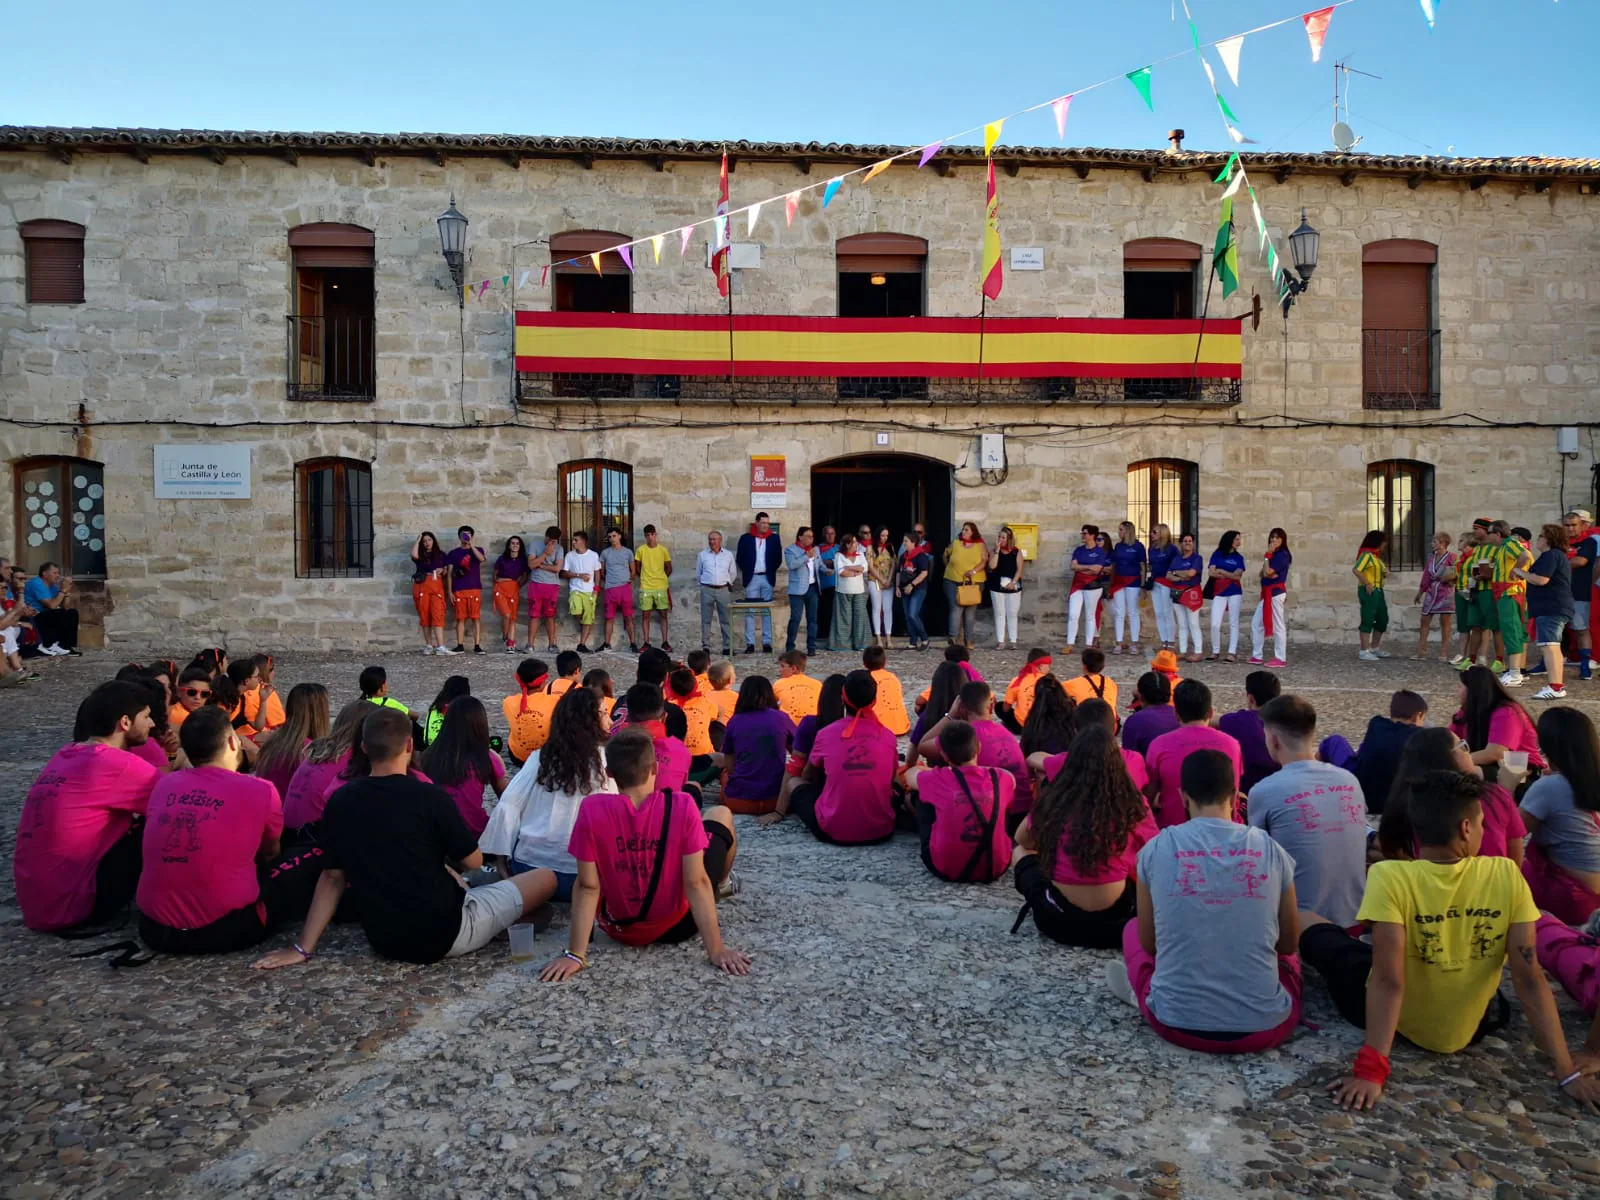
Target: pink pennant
544, 276
482, 288
1060, 108
626, 253
684, 235
791, 202
928, 152
1317, 30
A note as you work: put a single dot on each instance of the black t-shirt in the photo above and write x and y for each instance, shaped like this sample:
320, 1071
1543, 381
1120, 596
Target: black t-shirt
1554, 599
391, 836
1583, 577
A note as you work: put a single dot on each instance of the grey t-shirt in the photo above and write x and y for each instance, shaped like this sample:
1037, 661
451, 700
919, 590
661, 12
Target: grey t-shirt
541, 575
1316, 812
1216, 887
1568, 835
618, 566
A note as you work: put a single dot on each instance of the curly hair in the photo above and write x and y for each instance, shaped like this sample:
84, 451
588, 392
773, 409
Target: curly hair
1090, 809
1049, 724
570, 761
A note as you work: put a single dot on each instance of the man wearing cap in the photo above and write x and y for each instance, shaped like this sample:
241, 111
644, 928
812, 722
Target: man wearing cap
1583, 542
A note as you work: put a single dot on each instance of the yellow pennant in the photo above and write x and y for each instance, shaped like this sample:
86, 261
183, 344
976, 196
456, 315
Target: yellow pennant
876, 169
991, 135
655, 244
466, 291
595, 259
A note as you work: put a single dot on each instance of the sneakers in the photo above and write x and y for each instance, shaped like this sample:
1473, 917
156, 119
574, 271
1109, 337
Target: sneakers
446, 650
1550, 692
1539, 670
511, 647
53, 650
1276, 663
1367, 656
477, 649
633, 647
427, 649
1255, 660
1497, 666
1377, 653
729, 887
1458, 660
1511, 679
667, 646
460, 649
604, 646
1117, 980
1584, 672
584, 649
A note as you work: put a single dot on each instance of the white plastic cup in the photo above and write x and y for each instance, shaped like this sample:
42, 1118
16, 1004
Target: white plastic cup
521, 942
1516, 761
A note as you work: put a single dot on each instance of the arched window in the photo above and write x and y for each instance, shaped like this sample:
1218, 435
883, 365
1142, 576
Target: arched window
331, 330
578, 286
1164, 491
1400, 502
53, 255
1160, 277
61, 516
882, 275
595, 494
333, 518
1399, 338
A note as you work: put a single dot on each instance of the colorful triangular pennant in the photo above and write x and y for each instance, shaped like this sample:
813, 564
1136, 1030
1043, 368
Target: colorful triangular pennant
595, 259
832, 190
523, 281
928, 152
1060, 108
750, 215
684, 234
655, 244
1228, 51
1317, 30
1427, 11
991, 135
1227, 168
626, 254
1239, 139
791, 202
876, 169
1141, 84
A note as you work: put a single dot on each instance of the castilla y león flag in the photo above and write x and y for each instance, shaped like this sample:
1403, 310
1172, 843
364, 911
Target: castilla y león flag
993, 275
719, 257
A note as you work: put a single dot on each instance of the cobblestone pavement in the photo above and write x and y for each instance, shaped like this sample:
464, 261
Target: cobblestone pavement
891, 1040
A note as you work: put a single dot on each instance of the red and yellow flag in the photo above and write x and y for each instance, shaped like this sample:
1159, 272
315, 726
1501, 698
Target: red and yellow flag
993, 275
720, 234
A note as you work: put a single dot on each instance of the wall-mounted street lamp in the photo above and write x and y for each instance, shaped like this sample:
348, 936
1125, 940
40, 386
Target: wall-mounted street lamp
453, 241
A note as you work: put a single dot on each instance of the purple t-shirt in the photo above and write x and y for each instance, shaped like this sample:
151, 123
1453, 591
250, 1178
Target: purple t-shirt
1245, 727
805, 736
1228, 562
510, 567
464, 573
1087, 558
1146, 725
1127, 558
757, 746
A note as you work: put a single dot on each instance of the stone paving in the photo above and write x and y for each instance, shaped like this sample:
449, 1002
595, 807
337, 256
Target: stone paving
890, 1040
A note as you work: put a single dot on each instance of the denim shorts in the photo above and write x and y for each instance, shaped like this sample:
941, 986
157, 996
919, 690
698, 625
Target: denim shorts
564, 881
1547, 630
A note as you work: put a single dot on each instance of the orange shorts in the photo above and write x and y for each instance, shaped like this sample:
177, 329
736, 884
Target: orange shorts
428, 596
468, 605
506, 594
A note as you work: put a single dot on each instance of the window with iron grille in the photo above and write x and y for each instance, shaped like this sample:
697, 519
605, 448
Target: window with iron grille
53, 253
1164, 491
1399, 325
1400, 502
594, 495
333, 519
61, 516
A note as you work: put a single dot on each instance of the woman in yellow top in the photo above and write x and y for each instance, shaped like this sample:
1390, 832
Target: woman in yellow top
880, 586
1371, 571
964, 563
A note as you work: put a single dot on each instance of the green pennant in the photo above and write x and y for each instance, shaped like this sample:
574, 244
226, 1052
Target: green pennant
1222, 103
1227, 169
1225, 253
1141, 83
1230, 271
1195, 34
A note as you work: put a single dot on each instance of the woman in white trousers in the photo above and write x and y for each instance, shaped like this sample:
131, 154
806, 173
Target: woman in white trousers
1162, 553
1005, 578
880, 589
1087, 568
1269, 617
1225, 570
1185, 572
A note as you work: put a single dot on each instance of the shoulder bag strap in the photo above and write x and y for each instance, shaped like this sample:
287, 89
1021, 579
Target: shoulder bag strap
655, 871
1099, 688
985, 823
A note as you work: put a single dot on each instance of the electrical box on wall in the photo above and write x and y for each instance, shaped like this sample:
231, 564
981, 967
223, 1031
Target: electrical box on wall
991, 451
1567, 439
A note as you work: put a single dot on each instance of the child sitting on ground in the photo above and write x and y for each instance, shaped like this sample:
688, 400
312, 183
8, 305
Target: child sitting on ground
1076, 851
1153, 713
461, 762
1244, 726
1440, 750
830, 708
647, 710
720, 673
455, 686
649, 864
961, 657
891, 703
1090, 713
598, 680
1049, 727
1562, 813
960, 810
1443, 926
699, 661
755, 749
996, 747
1210, 961
699, 714
847, 791
797, 692
1191, 699
528, 712
1093, 684
1018, 703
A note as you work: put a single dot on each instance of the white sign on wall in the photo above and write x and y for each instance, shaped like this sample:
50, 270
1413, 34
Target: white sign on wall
1027, 258
201, 472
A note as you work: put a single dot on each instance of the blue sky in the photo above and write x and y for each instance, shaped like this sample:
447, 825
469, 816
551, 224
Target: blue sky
1496, 77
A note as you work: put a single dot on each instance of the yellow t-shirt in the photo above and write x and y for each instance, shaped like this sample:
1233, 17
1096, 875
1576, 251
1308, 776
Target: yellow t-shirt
797, 695
1464, 564
1504, 557
961, 558
1456, 918
653, 562
1371, 568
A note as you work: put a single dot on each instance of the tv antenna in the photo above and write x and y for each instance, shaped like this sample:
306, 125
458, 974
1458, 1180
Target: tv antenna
1344, 138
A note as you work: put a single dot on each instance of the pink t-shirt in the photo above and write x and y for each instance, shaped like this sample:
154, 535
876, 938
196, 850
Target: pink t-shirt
468, 795
1165, 762
858, 756
998, 747
1137, 770
1510, 727
672, 763
1502, 822
83, 801
622, 842
204, 828
150, 750
282, 776
957, 828
1117, 868
307, 793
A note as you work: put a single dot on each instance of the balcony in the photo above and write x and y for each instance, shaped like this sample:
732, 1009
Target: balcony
1400, 369
632, 357
331, 358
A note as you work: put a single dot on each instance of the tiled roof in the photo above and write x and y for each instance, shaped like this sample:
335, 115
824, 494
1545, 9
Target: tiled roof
66, 141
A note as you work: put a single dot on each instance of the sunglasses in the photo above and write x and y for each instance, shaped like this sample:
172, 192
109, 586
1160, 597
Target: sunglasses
197, 693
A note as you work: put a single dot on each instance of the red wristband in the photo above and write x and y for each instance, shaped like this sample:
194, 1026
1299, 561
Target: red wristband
1371, 1066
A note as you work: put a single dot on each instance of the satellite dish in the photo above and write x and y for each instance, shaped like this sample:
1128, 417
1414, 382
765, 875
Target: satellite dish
1344, 138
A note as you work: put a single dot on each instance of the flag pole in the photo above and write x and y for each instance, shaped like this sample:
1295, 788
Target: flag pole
983, 310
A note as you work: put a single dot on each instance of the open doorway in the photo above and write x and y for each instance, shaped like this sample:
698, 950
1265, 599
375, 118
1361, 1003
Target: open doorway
897, 490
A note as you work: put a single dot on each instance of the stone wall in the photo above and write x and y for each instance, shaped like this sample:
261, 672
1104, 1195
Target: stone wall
182, 339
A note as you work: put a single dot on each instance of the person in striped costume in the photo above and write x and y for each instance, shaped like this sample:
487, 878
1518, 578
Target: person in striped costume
1507, 555
1370, 572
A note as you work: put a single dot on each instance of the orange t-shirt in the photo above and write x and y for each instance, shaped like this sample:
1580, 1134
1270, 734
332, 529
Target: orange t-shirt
726, 700
177, 715
797, 695
698, 712
1019, 695
1084, 688
891, 705
705, 684
275, 714
530, 728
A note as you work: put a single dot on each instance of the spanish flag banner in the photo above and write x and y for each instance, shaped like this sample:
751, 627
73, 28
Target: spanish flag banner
993, 275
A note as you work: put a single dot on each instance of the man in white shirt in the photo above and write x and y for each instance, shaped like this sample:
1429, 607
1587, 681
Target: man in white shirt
579, 569
714, 569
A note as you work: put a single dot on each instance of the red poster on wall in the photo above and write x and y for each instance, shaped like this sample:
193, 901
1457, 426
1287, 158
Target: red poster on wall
769, 481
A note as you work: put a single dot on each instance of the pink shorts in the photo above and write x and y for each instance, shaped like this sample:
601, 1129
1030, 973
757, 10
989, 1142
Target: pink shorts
1572, 957
619, 600
542, 599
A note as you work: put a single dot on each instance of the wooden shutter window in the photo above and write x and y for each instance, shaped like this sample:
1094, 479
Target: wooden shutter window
54, 261
579, 244
327, 244
888, 253
1160, 254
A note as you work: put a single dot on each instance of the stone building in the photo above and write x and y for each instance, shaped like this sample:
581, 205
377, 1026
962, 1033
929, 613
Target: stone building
274, 310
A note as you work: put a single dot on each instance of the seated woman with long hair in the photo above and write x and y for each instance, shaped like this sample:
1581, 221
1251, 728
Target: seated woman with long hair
531, 826
461, 762
755, 749
1440, 750
1562, 812
303, 799
305, 719
455, 686
1492, 723
948, 680
1049, 727
1075, 856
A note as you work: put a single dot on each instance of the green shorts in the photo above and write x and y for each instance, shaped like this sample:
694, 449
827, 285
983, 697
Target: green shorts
1513, 623
1374, 610
1486, 615
582, 606
1463, 612
654, 600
